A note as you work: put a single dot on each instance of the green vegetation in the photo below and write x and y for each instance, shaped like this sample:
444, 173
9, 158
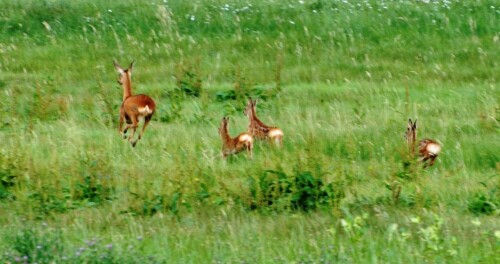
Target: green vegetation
341, 78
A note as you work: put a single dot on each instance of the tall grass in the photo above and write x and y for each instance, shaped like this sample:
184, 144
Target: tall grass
341, 78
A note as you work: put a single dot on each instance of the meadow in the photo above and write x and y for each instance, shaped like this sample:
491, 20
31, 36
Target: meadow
341, 78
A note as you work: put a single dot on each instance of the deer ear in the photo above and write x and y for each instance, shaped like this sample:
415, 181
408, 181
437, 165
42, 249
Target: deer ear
131, 66
118, 67
415, 124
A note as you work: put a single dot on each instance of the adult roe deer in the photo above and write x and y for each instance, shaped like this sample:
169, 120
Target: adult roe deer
134, 107
243, 141
428, 149
258, 129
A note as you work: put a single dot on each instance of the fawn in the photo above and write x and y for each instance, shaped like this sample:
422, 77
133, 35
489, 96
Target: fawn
243, 141
428, 149
134, 107
258, 129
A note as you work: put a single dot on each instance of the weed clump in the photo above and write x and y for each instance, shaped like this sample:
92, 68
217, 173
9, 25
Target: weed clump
485, 203
302, 191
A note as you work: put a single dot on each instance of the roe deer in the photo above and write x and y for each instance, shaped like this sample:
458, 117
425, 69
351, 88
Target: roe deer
134, 107
258, 129
243, 141
428, 149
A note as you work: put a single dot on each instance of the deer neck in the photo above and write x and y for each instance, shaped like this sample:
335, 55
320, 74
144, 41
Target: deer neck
225, 136
255, 121
412, 141
127, 87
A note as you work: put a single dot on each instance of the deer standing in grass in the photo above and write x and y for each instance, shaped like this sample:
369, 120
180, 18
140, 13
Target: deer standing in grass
134, 108
428, 149
243, 141
258, 129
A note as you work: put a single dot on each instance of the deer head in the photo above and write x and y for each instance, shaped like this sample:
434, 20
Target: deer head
123, 74
250, 108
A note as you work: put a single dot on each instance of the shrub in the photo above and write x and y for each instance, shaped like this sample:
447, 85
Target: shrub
7, 180
188, 81
484, 204
301, 191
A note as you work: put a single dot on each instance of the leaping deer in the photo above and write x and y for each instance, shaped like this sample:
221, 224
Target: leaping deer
134, 107
243, 141
258, 129
428, 149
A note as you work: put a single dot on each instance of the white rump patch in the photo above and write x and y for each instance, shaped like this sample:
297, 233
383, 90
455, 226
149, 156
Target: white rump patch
144, 110
245, 137
434, 149
275, 132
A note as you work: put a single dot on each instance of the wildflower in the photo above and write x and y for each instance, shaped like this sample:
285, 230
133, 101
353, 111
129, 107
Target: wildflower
91, 242
139, 238
393, 228
476, 222
109, 246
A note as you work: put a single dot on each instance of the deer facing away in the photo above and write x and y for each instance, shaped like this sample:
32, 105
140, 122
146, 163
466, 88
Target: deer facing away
258, 129
243, 141
134, 108
428, 149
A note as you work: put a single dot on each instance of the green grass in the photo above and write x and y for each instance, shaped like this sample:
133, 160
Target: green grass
340, 79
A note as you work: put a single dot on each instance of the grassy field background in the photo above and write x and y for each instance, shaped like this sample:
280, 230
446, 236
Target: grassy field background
341, 78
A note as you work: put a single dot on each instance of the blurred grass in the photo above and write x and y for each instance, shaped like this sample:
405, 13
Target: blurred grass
345, 71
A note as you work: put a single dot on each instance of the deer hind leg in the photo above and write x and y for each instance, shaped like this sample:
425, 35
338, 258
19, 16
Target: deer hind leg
120, 127
432, 160
275, 141
147, 119
249, 147
128, 122
424, 161
132, 126
279, 141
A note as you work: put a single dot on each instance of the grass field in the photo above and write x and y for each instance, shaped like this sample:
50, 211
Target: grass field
341, 78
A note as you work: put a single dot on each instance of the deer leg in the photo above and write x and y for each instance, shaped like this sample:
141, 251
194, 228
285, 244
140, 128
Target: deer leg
424, 161
279, 141
128, 121
133, 126
146, 122
121, 125
433, 159
249, 149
